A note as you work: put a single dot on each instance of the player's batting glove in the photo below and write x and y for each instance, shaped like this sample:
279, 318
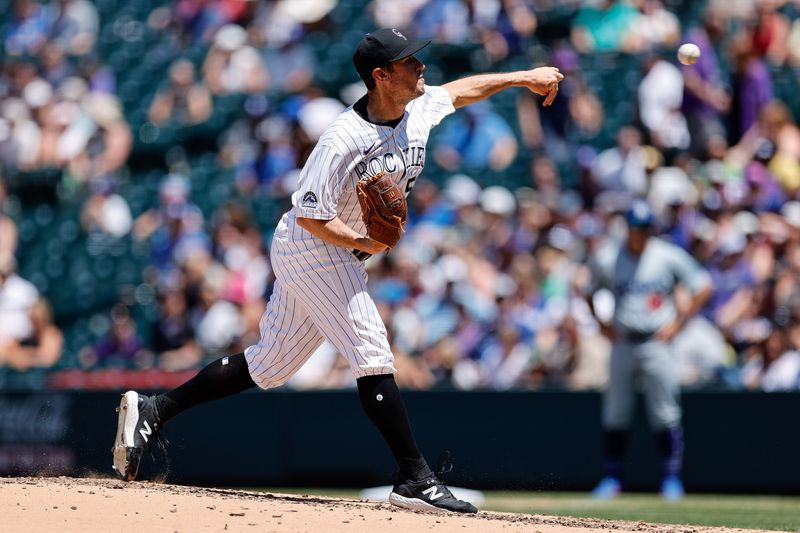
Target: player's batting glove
383, 208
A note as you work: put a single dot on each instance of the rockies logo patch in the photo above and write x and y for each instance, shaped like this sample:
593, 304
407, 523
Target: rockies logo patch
309, 200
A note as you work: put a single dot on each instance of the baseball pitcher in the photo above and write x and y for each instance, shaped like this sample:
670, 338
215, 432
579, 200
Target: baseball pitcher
350, 203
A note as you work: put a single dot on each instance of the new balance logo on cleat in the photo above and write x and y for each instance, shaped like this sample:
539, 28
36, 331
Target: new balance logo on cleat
432, 494
145, 431
136, 425
427, 495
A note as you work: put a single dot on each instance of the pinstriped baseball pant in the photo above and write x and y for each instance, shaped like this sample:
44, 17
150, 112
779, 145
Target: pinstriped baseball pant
320, 293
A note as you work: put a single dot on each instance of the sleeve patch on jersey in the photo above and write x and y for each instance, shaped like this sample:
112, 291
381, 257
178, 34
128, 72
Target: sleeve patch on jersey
309, 200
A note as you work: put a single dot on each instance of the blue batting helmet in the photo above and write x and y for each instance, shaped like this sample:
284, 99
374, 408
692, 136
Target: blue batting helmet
639, 214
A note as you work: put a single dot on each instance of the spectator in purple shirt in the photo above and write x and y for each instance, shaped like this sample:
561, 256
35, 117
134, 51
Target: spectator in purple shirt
679, 223
734, 282
705, 98
121, 346
766, 193
752, 86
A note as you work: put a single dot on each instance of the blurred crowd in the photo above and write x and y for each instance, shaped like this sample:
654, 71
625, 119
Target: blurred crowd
488, 288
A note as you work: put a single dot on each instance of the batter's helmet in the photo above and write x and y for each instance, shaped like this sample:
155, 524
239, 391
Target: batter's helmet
639, 214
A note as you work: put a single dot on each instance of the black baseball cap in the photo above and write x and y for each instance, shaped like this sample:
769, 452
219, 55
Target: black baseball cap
383, 46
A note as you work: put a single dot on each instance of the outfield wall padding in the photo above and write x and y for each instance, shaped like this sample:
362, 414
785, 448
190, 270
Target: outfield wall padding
735, 442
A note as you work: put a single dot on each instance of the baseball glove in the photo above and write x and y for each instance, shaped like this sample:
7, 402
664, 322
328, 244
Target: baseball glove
383, 208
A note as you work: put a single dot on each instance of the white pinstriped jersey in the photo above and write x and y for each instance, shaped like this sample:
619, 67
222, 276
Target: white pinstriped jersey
352, 149
321, 289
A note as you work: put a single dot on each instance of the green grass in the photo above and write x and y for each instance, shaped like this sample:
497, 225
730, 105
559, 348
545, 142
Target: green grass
750, 512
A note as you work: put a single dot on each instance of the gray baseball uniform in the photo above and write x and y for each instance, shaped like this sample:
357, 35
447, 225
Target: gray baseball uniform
643, 290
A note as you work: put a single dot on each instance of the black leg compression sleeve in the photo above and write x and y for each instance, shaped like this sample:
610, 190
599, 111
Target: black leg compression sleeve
381, 400
224, 377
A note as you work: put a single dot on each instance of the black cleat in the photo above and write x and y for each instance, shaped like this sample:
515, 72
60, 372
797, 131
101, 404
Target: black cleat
137, 425
427, 495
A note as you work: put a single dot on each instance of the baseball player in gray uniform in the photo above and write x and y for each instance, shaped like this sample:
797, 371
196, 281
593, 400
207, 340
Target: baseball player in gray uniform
642, 276
318, 254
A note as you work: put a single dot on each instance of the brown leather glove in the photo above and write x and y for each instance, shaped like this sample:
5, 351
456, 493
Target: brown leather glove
383, 208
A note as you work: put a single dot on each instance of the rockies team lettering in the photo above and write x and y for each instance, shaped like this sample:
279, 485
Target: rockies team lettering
412, 157
354, 149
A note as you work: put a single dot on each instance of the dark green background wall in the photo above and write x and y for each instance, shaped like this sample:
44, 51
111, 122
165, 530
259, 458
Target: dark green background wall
735, 442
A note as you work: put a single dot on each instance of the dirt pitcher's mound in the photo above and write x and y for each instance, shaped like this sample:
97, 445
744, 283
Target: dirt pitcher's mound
104, 505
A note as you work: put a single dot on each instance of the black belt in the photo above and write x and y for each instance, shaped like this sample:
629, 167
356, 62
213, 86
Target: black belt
360, 254
638, 336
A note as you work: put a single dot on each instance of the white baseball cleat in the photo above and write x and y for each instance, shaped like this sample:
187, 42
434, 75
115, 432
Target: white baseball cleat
137, 424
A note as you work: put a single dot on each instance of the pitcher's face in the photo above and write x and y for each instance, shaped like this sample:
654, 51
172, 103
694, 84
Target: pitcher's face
406, 77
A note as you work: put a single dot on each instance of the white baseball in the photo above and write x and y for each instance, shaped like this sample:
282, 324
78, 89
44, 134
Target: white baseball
688, 53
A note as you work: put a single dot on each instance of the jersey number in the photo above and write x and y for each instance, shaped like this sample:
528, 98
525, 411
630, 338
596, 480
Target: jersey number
410, 184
